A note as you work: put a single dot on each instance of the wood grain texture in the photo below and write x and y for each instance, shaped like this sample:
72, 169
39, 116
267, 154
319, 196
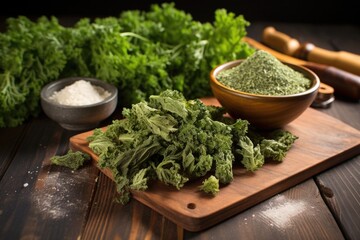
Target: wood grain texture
340, 188
110, 220
38, 200
298, 213
323, 142
9, 146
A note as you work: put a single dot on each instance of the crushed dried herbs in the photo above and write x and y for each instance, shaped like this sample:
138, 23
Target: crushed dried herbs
262, 73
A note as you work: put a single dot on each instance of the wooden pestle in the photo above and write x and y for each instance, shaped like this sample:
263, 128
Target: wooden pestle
345, 84
346, 61
280, 41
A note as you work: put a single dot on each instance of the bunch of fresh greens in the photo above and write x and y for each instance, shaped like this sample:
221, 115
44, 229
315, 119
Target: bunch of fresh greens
172, 139
31, 55
142, 53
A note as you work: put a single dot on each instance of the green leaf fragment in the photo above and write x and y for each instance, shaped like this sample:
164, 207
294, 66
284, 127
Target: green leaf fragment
71, 159
210, 185
277, 148
252, 159
140, 180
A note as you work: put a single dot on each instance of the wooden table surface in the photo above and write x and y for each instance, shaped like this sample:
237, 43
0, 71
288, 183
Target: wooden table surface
42, 201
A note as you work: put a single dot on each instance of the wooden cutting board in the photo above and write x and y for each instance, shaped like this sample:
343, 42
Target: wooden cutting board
323, 142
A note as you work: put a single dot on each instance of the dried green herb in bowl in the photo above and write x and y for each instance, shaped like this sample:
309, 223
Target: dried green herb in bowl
262, 73
268, 93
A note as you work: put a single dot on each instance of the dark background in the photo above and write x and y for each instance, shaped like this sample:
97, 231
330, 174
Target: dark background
306, 11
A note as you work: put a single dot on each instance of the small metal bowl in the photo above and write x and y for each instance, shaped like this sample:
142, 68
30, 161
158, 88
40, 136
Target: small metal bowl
264, 111
78, 118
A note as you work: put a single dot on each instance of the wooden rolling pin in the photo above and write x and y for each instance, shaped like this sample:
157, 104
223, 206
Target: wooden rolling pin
283, 43
345, 84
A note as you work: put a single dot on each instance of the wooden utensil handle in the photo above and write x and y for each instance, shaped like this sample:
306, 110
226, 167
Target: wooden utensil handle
280, 41
345, 84
285, 44
341, 59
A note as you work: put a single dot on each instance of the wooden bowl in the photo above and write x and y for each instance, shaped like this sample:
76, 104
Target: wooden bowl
264, 111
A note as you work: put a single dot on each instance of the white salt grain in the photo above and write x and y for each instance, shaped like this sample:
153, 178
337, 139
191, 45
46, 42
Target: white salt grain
80, 93
281, 211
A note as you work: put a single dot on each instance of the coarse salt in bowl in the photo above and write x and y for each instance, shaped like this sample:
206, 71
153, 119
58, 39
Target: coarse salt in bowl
79, 103
80, 93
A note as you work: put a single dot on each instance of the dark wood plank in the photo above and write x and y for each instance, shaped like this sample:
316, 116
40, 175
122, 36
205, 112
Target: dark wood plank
340, 188
278, 217
9, 143
298, 213
111, 220
348, 112
38, 200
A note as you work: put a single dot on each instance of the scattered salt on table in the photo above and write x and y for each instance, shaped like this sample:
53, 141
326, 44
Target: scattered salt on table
80, 93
